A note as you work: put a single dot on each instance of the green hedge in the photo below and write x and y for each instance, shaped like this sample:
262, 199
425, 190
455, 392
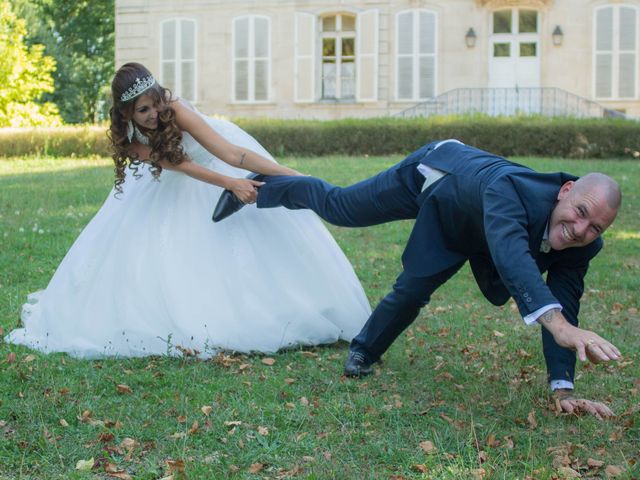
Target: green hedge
508, 136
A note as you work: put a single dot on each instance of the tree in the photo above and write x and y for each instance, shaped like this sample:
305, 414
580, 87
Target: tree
25, 75
80, 35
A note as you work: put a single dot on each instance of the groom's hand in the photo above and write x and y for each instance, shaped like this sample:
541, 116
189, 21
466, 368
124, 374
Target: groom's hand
566, 402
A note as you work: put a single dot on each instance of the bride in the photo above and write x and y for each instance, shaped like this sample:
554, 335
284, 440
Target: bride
151, 274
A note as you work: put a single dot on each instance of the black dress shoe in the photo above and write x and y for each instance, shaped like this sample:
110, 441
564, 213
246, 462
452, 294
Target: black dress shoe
228, 203
357, 365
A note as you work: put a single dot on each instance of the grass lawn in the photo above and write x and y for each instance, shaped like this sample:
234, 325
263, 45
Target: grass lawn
461, 395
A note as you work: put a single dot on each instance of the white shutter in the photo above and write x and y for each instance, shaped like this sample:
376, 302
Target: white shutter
604, 67
262, 55
604, 29
604, 53
627, 59
404, 56
304, 74
427, 55
188, 60
168, 54
241, 59
367, 56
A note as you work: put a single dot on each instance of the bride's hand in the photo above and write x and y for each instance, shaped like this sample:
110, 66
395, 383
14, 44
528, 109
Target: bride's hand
246, 190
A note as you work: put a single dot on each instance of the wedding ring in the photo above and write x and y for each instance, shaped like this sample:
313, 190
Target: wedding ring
590, 342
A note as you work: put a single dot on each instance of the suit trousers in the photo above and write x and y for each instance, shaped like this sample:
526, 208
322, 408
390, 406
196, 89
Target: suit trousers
391, 195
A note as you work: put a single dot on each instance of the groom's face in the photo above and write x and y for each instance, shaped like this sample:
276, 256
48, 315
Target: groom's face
580, 216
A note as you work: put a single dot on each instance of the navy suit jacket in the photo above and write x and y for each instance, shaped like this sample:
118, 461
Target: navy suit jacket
494, 213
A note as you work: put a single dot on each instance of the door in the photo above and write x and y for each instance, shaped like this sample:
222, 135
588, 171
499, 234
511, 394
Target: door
514, 62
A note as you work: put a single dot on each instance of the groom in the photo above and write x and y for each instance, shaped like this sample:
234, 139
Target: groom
511, 223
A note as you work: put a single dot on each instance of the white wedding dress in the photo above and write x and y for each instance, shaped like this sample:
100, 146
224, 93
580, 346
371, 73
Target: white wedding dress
151, 274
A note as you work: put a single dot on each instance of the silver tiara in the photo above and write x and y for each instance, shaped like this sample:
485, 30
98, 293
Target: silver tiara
139, 86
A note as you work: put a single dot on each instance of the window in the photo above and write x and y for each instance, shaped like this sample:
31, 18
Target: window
615, 52
178, 57
251, 59
416, 55
338, 33
518, 27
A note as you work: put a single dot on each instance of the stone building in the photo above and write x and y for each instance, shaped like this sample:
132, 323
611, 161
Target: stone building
361, 58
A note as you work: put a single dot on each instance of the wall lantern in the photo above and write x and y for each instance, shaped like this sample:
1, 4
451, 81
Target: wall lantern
470, 38
557, 36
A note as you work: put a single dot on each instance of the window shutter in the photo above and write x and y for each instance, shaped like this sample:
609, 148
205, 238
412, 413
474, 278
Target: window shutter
304, 75
604, 29
627, 59
188, 58
367, 56
427, 51
604, 65
261, 50
404, 60
168, 55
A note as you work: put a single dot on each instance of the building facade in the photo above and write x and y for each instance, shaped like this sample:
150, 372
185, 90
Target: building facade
362, 58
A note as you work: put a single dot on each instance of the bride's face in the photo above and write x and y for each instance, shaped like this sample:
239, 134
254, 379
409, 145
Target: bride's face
145, 113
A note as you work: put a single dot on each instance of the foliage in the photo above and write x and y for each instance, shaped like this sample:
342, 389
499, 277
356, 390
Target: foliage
508, 136
561, 137
81, 37
25, 75
460, 395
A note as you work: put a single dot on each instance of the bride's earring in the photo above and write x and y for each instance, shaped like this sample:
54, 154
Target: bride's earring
130, 130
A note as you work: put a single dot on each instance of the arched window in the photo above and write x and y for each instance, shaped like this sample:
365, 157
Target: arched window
178, 57
251, 58
615, 52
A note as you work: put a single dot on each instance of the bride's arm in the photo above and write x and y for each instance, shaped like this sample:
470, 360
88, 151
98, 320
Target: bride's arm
243, 188
189, 121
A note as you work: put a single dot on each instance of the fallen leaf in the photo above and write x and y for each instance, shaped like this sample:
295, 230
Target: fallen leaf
85, 465
206, 409
496, 333
175, 466
29, 358
594, 463
129, 444
106, 437
121, 474
63, 422
531, 418
122, 388
428, 447
289, 381
263, 431
422, 468
256, 467
11, 357
194, 427
478, 473
568, 472
492, 442
268, 361
304, 401
233, 423
613, 471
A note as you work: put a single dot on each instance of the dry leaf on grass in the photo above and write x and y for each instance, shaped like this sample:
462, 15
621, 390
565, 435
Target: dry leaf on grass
124, 389
428, 447
85, 465
206, 409
268, 361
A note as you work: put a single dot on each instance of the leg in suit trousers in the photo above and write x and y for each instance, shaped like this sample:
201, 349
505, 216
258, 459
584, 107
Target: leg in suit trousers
390, 195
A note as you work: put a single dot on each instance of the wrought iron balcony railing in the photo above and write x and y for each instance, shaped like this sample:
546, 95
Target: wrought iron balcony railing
545, 101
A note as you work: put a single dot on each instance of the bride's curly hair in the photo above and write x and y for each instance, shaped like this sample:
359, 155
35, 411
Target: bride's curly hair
165, 141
